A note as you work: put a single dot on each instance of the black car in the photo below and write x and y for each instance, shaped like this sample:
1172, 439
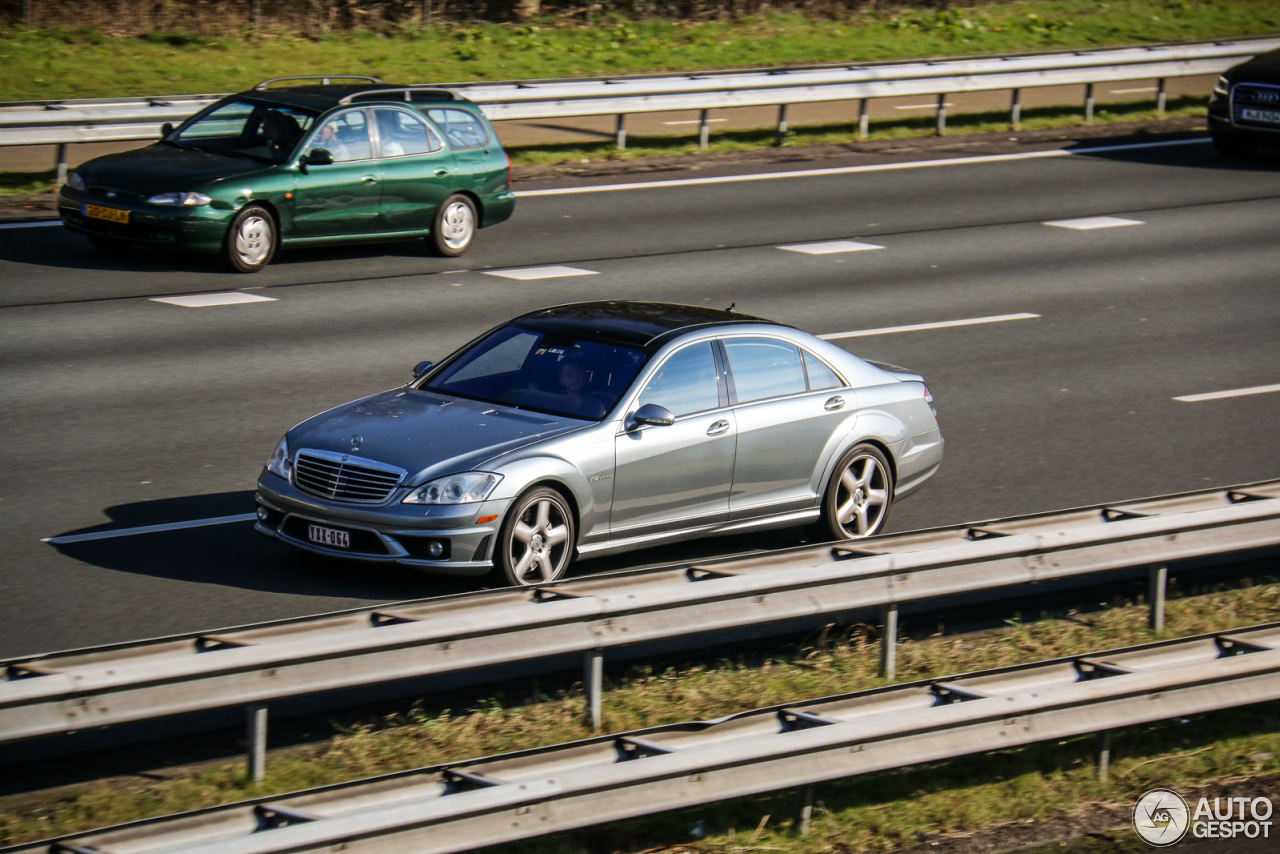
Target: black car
1244, 112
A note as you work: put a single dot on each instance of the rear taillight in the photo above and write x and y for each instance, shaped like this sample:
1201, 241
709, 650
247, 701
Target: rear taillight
508, 170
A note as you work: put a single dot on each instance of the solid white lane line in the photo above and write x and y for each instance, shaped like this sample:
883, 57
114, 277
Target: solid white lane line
149, 529
943, 324
207, 300
830, 247
1089, 223
849, 170
530, 273
40, 224
1235, 392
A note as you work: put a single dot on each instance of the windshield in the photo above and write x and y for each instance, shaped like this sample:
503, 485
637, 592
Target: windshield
543, 371
244, 129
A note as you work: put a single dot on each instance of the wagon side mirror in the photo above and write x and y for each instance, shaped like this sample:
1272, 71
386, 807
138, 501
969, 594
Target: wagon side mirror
421, 368
166, 129
653, 415
318, 157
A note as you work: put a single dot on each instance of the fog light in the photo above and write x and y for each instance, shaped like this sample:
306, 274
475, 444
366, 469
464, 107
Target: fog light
262, 514
435, 548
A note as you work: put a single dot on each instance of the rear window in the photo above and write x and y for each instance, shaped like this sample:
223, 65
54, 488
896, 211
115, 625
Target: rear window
461, 128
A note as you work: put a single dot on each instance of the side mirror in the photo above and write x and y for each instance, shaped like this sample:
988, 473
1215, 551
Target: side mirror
421, 368
653, 415
318, 157
166, 129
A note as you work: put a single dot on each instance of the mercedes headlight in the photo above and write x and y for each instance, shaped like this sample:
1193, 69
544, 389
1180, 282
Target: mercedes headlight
74, 181
1222, 87
279, 464
468, 488
189, 200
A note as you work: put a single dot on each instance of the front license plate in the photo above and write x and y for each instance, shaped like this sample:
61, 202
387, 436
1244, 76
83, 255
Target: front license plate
109, 214
1269, 116
329, 537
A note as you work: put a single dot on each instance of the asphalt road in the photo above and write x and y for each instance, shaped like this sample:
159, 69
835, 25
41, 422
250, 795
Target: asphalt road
119, 411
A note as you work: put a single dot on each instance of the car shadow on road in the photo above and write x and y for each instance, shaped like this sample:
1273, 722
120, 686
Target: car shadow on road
232, 554
1189, 149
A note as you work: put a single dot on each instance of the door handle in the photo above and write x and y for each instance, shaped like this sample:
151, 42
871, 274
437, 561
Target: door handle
370, 179
440, 173
718, 427
834, 403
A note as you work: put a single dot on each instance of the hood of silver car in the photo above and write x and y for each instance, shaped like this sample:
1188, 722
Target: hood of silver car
425, 433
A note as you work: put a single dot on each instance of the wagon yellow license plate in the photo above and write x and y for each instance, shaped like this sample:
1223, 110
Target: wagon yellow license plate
109, 214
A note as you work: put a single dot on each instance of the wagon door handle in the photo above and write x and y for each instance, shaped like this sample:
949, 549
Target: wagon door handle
440, 173
834, 403
718, 427
370, 179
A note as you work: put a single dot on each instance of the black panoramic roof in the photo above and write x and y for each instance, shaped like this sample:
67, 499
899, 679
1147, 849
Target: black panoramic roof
645, 324
323, 97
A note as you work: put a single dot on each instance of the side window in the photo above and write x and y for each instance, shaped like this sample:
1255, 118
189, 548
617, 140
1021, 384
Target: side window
345, 136
462, 129
764, 367
820, 376
686, 382
400, 132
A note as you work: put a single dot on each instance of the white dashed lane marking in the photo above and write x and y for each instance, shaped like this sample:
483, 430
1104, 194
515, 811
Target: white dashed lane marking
1235, 392
207, 300
830, 247
942, 324
530, 273
1091, 222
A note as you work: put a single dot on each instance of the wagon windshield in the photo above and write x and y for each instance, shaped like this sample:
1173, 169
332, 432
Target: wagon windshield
551, 372
266, 132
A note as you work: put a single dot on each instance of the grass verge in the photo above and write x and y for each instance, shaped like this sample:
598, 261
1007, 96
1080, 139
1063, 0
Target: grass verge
882, 811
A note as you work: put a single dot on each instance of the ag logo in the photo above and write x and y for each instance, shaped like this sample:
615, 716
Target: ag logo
1161, 817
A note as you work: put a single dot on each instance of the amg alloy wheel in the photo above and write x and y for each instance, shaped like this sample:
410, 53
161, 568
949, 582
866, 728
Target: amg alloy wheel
857, 498
536, 542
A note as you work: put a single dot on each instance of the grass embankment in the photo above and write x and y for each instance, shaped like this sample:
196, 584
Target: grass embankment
880, 811
84, 63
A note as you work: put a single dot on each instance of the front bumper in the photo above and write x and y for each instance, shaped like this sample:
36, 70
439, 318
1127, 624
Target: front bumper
199, 229
392, 533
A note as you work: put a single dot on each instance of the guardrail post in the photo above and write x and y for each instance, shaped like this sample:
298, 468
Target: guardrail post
1157, 583
804, 810
1015, 110
864, 118
62, 163
1161, 97
1103, 740
889, 641
1088, 103
704, 130
781, 134
256, 723
620, 131
942, 114
593, 685
255, 10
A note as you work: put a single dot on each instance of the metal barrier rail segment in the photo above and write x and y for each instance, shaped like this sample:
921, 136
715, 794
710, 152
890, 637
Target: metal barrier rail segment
56, 694
465, 805
69, 122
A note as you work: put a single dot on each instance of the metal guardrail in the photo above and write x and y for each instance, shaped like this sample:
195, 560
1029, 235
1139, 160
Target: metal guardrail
66, 122
60, 693
480, 802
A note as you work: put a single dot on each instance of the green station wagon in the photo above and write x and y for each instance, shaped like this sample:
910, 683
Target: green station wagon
296, 162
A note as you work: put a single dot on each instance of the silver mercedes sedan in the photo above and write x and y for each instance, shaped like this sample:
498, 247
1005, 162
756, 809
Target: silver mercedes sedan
600, 427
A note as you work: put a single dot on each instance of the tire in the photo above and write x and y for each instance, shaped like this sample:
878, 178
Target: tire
112, 246
251, 240
856, 501
454, 227
1230, 146
536, 541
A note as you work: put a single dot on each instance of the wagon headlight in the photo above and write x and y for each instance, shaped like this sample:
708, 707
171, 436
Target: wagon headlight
468, 488
75, 182
279, 463
189, 200
1222, 87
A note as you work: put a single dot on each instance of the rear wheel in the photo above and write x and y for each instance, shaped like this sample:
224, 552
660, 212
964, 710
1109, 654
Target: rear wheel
454, 227
857, 498
251, 240
536, 540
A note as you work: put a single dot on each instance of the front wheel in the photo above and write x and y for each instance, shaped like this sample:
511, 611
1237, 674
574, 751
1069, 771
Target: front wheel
857, 498
454, 227
251, 240
536, 541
